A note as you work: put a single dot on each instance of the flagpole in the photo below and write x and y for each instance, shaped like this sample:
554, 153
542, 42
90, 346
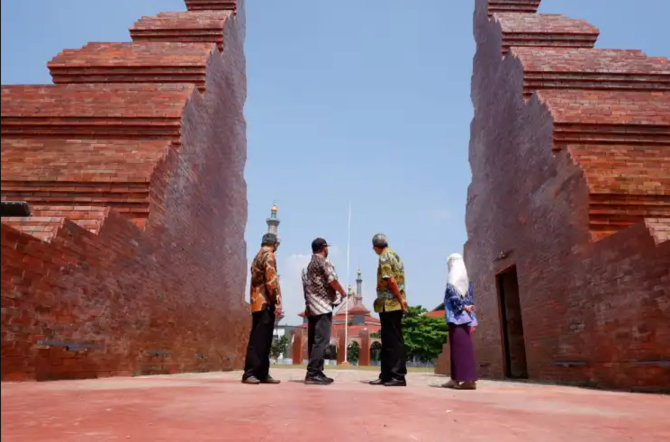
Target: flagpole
346, 306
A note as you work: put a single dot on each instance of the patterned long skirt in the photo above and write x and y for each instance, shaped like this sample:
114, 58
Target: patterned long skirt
463, 365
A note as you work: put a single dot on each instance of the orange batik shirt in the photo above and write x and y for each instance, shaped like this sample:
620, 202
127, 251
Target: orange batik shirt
264, 289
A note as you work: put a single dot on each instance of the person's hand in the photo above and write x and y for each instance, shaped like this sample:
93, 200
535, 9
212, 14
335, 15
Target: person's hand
278, 310
469, 308
472, 329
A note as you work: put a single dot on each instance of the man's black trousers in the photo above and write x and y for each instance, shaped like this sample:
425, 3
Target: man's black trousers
318, 341
393, 359
257, 362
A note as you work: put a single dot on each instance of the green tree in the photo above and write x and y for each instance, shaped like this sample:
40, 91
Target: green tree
375, 351
353, 352
279, 346
377, 334
424, 336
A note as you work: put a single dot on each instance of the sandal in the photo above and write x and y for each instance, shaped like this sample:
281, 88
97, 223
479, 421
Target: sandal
466, 386
450, 384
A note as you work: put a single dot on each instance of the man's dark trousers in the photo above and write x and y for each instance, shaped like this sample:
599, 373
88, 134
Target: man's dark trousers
393, 363
318, 340
257, 362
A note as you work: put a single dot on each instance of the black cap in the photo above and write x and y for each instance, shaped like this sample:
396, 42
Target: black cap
269, 239
318, 245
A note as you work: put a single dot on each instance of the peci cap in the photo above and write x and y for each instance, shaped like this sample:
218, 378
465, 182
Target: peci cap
318, 245
270, 239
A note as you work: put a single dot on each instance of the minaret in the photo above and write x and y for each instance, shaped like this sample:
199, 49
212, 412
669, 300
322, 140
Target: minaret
359, 288
273, 221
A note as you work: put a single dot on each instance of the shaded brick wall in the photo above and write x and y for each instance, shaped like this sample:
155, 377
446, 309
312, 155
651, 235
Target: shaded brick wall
569, 152
134, 261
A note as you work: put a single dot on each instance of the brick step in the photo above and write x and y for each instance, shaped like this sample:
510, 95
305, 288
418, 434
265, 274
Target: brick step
183, 27
546, 30
90, 111
596, 82
611, 213
130, 199
42, 228
607, 117
87, 217
659, 229
140, 62
564, 68
566, 134
79, 161
516, 6
629, 201
643, 209
626, 184
211, 5
73, 213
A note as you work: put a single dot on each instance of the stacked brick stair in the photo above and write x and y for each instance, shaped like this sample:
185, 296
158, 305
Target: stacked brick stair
122, 161
570, 153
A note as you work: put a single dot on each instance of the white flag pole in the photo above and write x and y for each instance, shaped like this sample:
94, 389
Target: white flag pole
346, 306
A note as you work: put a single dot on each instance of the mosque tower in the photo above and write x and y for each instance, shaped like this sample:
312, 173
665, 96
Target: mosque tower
359, 289
273, 221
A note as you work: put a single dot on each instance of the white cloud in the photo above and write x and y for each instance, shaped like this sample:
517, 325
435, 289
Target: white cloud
439, 214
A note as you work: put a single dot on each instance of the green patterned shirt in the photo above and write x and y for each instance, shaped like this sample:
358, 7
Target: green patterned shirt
390, 266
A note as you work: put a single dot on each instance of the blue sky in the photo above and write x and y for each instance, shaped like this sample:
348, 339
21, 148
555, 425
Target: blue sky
367, 102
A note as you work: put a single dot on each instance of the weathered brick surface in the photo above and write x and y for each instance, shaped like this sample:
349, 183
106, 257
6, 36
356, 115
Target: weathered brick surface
134, 260
186, 27
570, 187
595, 69
512, 6
148, 62
545, 30
211, 5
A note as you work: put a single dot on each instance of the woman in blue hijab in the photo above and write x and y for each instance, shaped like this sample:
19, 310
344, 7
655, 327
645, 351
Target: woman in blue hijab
461, 320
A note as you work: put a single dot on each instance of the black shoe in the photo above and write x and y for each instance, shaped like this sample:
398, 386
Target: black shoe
396, 383
251, 380
318, 380
378, 381
270, 380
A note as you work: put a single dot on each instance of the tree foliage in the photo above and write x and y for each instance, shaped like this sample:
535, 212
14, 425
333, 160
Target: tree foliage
375, 351
424, 336
279, 346
353, 352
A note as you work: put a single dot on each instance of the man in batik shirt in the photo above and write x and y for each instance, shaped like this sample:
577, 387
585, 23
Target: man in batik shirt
391, 303
265, 307
321, 286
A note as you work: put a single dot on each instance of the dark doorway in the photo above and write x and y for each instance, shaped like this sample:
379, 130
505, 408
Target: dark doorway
512, 325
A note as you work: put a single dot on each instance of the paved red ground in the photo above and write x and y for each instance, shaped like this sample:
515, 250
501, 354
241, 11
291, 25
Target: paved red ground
216, 407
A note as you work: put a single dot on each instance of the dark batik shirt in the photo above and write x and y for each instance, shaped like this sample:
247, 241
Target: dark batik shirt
316, 280
264, 289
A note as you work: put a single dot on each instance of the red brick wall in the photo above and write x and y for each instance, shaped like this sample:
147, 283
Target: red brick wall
570, 185
136, 256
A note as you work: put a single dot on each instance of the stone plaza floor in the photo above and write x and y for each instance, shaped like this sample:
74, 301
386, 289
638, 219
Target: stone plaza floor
217, 407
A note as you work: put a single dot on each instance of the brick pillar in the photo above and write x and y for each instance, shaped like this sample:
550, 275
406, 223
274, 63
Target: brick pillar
341, 347
299, 338
364, 358
443, 365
